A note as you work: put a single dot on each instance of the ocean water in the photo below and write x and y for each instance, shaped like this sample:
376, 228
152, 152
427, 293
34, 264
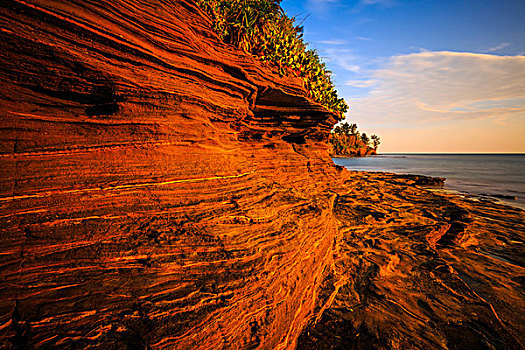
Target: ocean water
476, 174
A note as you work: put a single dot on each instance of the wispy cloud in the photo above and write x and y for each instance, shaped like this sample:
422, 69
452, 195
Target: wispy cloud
341, 57
385, 3
430, 89
362, 4
320, 7
363, 38
498, 47
361, 83
429, 86
333, 42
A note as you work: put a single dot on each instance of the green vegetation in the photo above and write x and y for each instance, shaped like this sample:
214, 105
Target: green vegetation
345, 140
261, 27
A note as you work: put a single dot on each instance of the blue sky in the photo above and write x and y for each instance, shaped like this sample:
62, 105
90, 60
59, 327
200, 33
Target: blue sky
427, 76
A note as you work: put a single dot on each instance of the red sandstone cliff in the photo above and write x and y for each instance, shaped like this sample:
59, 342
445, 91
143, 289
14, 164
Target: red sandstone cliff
156, 184
162, 190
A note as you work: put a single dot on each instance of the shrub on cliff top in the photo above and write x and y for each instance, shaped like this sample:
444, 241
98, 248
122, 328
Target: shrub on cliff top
261, 27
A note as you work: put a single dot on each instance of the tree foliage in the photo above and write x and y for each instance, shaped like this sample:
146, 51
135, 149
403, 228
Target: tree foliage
261, 27
365, 139
346, 140
376, 141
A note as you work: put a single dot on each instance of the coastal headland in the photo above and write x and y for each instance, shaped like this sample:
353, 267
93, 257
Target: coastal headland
160, 189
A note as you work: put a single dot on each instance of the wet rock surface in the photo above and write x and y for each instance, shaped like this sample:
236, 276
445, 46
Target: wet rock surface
424, 181
159, 189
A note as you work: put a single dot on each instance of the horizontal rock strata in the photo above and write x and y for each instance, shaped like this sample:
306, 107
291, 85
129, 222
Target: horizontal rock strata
159, 189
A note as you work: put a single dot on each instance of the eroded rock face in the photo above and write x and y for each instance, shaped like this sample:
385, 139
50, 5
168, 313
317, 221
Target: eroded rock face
157, 187
160, 189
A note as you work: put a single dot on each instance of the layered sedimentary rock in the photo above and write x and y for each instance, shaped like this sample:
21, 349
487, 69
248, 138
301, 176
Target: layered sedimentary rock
160, 189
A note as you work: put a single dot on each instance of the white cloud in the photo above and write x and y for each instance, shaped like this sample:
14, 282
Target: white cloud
430, 86
361, 83
498, 47
363, 38
378, 2
426, 89
341, 57
333, 42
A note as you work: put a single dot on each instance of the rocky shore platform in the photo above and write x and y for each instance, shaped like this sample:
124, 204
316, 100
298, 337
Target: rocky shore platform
162, 190
446, 267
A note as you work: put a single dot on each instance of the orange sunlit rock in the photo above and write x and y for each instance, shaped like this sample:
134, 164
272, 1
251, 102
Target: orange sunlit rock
160, 189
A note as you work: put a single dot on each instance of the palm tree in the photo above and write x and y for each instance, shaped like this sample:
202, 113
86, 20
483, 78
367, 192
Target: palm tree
345, 128
365, 139
376, 141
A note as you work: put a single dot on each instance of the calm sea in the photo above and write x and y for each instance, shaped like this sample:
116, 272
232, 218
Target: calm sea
492, 174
